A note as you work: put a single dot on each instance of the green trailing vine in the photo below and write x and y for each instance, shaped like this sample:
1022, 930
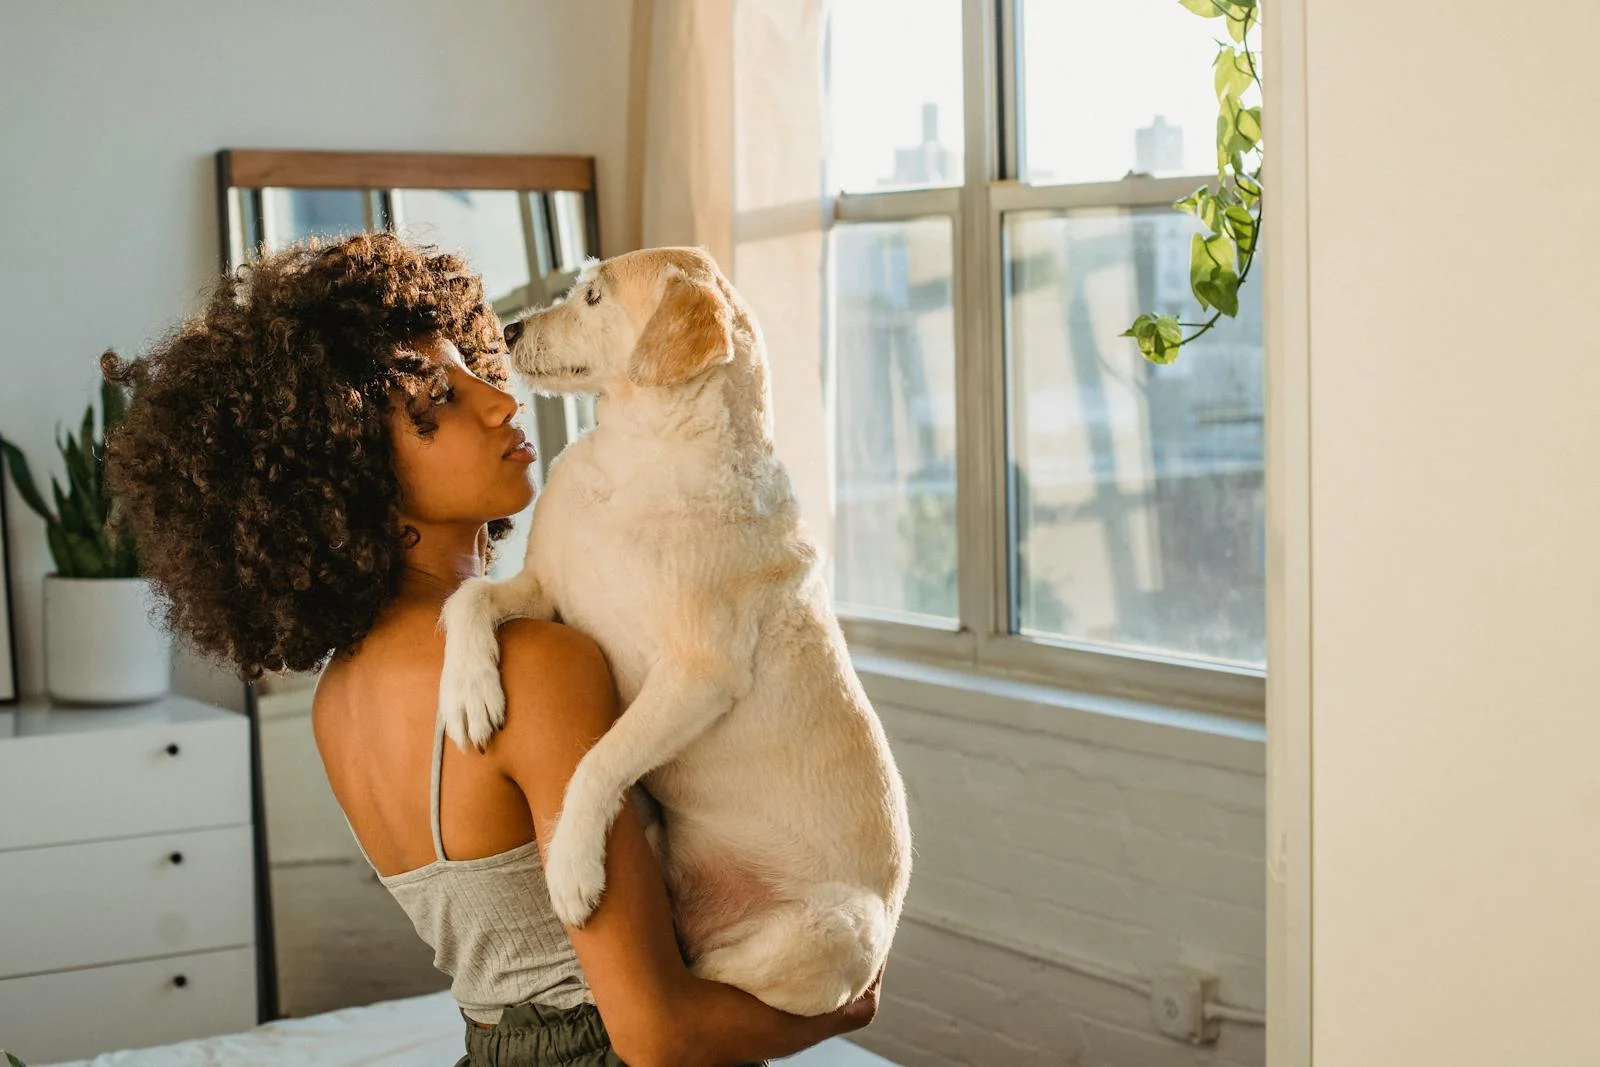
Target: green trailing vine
1230, 209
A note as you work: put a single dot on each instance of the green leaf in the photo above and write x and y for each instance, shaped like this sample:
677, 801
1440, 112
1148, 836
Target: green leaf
11, 1060
1221, 291
1239, 24
1232, 74
86, 435
1220, 249
17, 463
60, 552
67, 508
1206, 9
1249, 189
1163, 345
1241, 226
1142, 326
80, 476
1226, 132
1248, 123
1200, 269
87, 560
1202, 204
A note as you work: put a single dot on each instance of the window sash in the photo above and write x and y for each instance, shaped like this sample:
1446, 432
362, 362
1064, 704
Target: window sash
977, 209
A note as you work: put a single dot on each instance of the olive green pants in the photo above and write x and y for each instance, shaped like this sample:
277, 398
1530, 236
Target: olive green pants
532, 1035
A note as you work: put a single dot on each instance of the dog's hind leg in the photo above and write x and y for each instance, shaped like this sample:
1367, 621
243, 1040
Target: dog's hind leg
472, 705
805, 957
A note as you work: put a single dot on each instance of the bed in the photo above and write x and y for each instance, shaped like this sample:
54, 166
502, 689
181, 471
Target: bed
421, 1031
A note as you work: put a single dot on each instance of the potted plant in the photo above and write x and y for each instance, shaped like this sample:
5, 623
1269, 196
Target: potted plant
102, 644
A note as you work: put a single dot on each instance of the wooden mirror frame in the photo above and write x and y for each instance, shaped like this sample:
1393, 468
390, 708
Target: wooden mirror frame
259, 168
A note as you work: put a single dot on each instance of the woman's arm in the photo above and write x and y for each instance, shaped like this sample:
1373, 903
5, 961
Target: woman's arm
559, 700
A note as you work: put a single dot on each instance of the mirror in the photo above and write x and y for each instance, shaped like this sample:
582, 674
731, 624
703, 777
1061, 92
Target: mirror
330, 934
526, 223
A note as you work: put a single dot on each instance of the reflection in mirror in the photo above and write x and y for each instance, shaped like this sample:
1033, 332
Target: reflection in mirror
526, 224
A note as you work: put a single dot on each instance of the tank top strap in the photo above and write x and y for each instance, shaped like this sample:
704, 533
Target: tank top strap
433, 791
359, 846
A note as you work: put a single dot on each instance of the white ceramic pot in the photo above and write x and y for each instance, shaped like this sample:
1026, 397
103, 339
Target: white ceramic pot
102, 643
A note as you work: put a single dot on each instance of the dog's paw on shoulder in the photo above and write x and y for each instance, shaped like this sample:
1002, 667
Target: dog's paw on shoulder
472, 706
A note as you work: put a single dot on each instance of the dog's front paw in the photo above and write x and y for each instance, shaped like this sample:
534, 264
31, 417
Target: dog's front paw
575, 870
472, 705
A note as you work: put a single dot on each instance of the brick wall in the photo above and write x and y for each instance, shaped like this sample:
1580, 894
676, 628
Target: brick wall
1056, 838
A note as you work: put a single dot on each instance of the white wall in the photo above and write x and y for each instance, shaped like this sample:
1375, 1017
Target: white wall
1454, 373
1057, 835
109, 115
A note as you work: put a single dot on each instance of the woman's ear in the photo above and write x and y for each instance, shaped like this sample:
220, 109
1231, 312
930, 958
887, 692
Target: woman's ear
690, 332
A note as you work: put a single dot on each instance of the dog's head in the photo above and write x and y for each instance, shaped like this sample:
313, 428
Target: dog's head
655, 318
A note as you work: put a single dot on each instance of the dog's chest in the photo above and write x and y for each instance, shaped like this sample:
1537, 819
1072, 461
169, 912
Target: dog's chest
611, 554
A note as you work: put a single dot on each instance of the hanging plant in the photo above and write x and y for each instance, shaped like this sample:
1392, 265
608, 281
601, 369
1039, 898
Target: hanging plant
1230, 209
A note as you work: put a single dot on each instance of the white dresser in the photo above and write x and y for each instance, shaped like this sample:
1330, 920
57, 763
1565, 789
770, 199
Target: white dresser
126, 877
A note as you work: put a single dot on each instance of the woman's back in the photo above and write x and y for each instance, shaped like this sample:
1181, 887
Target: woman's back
448, 833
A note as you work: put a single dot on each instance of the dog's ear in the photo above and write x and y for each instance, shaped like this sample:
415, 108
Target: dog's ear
690, 332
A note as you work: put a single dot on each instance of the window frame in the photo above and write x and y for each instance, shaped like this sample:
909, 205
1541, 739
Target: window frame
992, 187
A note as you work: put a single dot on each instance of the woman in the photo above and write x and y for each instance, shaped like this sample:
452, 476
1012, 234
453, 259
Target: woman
312, 465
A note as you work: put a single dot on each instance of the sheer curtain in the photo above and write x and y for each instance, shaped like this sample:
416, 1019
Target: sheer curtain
726, 146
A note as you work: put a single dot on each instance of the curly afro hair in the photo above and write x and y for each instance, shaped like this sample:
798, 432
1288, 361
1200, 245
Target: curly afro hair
254, 464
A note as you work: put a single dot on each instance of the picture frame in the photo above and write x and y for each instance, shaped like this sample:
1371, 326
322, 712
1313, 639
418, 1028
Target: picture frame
9, 688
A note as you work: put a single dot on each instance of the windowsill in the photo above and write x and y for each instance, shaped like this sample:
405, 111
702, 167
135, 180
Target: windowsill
1117, 722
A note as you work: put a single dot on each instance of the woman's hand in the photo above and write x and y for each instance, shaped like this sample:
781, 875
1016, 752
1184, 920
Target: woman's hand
860, 1012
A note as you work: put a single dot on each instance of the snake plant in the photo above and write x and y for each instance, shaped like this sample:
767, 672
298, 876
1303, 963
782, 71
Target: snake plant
80, 543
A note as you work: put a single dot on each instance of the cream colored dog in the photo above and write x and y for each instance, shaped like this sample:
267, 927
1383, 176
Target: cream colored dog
671, 535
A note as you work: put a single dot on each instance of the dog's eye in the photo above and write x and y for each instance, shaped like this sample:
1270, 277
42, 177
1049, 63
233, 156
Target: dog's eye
592, 297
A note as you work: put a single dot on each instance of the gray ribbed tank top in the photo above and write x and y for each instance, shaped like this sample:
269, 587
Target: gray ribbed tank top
489, 923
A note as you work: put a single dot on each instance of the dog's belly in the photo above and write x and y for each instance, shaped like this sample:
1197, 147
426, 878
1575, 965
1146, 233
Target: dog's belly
711, 896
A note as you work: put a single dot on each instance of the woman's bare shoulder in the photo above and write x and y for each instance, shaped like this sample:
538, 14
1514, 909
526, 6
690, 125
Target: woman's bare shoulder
557, 685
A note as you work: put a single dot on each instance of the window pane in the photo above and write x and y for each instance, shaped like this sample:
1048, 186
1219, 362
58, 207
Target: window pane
894, 419
292, 215
1110, 88
1137, 509
894, 86
571, 231
485, 225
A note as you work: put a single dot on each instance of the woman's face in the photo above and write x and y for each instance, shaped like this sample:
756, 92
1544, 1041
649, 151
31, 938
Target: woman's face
475, 465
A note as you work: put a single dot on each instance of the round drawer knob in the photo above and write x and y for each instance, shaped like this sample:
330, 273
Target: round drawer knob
175, 858
172, 749
180, 980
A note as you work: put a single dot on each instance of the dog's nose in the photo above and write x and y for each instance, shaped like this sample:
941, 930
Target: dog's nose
513, 332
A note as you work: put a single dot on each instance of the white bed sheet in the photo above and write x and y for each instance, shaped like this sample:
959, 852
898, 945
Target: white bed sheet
415, 1032
421, 1031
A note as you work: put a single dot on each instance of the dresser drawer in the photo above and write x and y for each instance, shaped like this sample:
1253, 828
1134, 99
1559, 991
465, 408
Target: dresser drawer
134, 779
77, 1014
110, 901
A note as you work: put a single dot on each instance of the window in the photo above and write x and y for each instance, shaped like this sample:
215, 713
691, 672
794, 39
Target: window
1014, 486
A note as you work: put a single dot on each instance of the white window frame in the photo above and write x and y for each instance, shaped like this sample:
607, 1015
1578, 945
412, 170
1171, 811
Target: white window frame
993, 187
